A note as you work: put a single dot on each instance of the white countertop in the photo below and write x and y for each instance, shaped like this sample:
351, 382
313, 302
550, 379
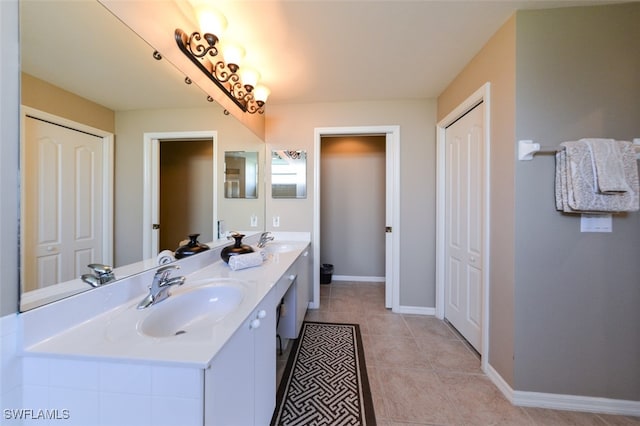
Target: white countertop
112, 334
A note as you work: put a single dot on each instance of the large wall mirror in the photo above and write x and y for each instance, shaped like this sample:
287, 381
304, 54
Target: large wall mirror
83, 69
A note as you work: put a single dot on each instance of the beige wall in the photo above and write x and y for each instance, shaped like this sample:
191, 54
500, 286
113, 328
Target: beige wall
495, 63
353, 205
130, 129
46, 97
292, 127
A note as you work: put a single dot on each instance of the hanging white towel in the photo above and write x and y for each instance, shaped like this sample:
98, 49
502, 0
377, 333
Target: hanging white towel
607, 164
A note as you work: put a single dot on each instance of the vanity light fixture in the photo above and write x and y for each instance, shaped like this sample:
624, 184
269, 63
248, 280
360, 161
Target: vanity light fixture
220, 62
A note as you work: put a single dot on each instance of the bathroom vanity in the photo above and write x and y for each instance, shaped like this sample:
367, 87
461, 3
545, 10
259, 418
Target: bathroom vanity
206, 355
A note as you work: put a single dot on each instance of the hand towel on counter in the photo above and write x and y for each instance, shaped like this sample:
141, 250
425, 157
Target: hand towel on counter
242, 261
577, 185
165, 257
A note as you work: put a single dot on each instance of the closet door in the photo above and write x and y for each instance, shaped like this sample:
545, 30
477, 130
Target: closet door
63, 181
464, 219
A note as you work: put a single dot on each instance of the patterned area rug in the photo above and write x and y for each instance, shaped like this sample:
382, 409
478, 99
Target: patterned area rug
325, 381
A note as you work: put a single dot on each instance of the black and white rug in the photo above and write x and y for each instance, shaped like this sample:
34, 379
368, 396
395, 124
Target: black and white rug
325, 381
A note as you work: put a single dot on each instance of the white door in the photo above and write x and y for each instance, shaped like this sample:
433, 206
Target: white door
63, 181
464, 180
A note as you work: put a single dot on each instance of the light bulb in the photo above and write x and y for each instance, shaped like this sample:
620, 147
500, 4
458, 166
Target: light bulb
249, 77
211, 21
261, 93
233, 55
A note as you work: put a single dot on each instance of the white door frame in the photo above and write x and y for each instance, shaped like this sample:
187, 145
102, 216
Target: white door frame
107, 167
480, 95
151, 184
392, 255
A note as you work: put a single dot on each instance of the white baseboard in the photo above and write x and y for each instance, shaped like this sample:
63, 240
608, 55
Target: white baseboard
416, 310
564, 402
357, 278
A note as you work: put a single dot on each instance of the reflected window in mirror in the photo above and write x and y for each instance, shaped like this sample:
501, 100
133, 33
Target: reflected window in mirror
288, 174
240, 174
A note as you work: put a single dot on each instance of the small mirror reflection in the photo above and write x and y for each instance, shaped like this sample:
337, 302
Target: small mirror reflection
240, 174
289, 174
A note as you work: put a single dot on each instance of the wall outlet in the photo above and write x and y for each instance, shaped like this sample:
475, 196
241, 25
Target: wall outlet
222, 230
276, 221
254, 220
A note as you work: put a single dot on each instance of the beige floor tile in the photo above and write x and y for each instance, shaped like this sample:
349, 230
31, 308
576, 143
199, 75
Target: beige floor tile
429, 327
479, 402
416, 396
613, 420
450, 355
377, 394
541, 416
388, 325
397, 351
348, 304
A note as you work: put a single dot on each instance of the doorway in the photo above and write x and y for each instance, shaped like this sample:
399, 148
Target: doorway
391, 230
353, 212
186, 199
462, 290
152, 191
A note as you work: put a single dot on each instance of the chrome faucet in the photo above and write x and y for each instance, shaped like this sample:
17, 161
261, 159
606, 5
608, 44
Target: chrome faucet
159, 289
265, 237
102, 274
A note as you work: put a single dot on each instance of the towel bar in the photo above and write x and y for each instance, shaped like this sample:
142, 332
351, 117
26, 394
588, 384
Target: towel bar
527, 149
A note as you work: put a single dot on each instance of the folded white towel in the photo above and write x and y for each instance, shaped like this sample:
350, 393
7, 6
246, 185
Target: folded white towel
576, 185
607, 164
165, 256
242, 261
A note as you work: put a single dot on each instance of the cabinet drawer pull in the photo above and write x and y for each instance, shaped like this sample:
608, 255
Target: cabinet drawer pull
254, 324
262, 313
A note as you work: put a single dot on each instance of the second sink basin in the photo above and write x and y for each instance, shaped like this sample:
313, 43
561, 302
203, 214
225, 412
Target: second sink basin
282, 247
192, 310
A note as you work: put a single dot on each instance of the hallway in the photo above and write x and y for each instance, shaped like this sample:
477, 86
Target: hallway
422, 373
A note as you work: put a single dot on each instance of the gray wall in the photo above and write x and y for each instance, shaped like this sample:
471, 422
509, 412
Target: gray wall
352, 207
9, 137
577, 295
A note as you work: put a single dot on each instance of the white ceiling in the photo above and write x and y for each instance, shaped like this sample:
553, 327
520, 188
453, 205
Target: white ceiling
306, 50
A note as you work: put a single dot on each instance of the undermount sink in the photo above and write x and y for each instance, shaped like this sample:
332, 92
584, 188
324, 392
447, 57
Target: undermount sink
192, 310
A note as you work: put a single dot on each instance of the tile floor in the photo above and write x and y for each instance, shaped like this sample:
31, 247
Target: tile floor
422, 373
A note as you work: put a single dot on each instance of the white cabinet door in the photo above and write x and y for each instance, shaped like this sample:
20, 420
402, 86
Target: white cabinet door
299, 279
240, 385
304, 284
229, 382
264, 338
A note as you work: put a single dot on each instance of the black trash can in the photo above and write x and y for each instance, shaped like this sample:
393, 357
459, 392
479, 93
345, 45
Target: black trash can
326, 271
